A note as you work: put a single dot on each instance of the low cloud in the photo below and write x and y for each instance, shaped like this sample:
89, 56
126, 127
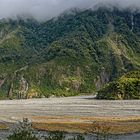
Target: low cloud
45, 9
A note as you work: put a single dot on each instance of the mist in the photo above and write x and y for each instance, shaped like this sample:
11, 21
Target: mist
46, 9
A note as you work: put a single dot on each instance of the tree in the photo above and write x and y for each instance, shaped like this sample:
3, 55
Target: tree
23, 131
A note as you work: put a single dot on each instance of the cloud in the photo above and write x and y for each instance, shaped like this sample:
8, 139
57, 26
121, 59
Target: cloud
44, 9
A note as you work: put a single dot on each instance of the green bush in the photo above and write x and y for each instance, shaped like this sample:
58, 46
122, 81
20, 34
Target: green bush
127, 87
23, 131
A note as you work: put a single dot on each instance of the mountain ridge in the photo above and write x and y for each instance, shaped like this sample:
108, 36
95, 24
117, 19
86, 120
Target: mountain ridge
76, 53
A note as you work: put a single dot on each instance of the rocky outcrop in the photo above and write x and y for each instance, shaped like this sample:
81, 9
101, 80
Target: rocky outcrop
23, 88
2, 82
102, 79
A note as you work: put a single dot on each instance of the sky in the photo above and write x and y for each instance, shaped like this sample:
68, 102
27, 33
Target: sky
46, 9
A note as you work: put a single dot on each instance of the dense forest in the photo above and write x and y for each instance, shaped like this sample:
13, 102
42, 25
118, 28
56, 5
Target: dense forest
77, 52
126, 87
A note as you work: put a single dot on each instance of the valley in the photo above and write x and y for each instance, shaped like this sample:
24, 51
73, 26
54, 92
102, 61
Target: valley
73, 114
69, 55
73, 73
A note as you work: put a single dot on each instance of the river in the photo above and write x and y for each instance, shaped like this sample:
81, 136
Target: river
135, 136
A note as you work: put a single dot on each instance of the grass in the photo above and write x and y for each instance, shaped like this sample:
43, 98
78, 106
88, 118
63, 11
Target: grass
117, 125
3, 126
114, 125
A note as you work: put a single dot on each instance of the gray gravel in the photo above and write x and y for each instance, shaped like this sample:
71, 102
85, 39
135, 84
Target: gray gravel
85, 106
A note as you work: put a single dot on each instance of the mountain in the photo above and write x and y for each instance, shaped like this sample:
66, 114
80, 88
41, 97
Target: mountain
126, 87
74, 53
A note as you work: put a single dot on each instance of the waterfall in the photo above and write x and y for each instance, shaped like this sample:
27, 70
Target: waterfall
132, 22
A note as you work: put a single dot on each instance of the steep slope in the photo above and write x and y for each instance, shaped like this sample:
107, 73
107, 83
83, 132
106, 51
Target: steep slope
75, 53
126, 87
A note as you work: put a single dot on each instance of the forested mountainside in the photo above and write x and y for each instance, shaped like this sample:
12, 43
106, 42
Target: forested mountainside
126, 87
71, 54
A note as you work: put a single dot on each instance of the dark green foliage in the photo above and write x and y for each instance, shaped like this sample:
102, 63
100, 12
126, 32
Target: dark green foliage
22, 136
127, 87
72, 54
79, 137
56, 136
23, 131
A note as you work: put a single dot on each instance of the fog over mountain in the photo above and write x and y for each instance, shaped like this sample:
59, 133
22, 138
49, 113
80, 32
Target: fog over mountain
44, 9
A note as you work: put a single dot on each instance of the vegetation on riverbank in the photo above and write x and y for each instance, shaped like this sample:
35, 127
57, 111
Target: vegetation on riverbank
24, 131
127, 87
99, 127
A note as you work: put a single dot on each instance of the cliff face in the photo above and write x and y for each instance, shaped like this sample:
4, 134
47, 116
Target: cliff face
75, 53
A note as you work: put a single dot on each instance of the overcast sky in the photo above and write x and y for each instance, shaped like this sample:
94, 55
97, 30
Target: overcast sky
44, 9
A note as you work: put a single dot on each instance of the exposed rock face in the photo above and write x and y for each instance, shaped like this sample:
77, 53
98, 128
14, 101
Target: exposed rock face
23, 88
102, 79
2, 82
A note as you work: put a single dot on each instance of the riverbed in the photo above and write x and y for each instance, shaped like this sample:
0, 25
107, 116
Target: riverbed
71, 113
